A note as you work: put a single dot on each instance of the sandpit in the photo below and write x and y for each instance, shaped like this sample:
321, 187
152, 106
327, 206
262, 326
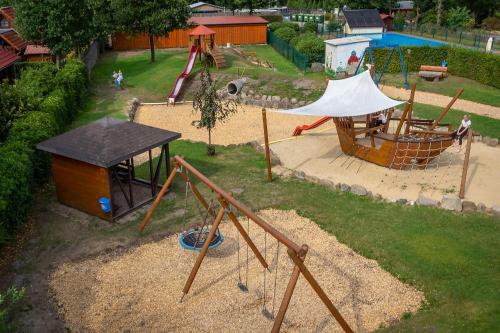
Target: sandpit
139, 290
243, 127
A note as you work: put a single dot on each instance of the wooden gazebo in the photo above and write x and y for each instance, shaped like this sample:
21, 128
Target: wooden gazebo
94, 171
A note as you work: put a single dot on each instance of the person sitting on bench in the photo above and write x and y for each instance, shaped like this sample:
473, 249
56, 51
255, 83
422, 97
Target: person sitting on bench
380, 119
461, 131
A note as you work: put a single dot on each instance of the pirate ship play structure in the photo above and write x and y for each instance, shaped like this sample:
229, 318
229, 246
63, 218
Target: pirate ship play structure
354, 104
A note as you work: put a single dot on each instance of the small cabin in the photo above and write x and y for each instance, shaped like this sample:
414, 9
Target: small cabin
94, 166
37, 53
7, 61
7, 18
363, 22
344, 54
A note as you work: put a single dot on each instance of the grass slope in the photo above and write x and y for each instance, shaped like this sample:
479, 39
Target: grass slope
473, 91
484, 125
453, 258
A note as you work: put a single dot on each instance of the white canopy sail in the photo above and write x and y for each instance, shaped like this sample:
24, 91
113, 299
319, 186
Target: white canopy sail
354, 96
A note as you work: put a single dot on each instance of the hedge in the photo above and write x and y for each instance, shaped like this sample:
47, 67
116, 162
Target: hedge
474, 65
272, 18
21, 165
286, 33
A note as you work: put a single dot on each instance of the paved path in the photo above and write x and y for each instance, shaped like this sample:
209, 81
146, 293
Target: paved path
441, 100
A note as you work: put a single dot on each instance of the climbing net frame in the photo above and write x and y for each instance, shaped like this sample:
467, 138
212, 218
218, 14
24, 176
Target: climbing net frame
228, 206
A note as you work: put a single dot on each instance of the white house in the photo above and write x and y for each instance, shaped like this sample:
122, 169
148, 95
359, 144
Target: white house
343, 54
363, 22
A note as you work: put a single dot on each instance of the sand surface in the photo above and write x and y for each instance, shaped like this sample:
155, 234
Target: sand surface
139, 290
440, 100
319, 154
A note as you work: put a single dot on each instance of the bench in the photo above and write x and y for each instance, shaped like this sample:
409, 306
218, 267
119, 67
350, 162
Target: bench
433, 73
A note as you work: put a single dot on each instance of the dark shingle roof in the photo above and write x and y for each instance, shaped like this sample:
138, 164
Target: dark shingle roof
363, 18
11, 38
7, 58
107, 142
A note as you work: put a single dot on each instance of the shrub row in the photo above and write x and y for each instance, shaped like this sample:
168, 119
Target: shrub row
478, 66
21, 165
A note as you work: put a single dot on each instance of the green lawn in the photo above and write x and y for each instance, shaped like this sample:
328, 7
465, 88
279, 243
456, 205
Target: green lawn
484, 125
473, 91
452, 258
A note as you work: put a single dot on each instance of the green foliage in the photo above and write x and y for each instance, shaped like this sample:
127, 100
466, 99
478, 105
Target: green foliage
312, 46
286, 33
8, 302
478, 66
277, 25
334, 25
272, 18
310, 27
59, 96
211, 107
9, 111
459, 17
154, 18
399, 22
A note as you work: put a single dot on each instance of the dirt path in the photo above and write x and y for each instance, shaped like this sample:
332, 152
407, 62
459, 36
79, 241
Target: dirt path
441, 100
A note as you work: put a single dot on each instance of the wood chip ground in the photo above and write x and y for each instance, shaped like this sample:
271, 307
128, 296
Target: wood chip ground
139, 291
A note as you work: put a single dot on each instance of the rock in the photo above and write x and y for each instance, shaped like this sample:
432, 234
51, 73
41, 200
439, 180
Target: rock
312, 179
285, 101
317, 67
276, 99
378, 197
132, 108
303, 84
468, 206
299, 174
495, 210
344, 187
327, 183
424, 201
493, 142
402, 201
293, 101
281, 171
302, 103
178, 212
451, 202
257, 97
358, 190
275, 160
264, 97
481, 207
251, 92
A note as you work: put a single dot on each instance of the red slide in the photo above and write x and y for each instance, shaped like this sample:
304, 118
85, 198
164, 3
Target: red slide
179, 83
298, 130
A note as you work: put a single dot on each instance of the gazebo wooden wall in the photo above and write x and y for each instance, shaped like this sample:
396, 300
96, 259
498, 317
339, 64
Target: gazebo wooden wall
231, 33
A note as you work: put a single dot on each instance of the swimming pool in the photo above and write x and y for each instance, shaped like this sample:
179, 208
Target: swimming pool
392, 38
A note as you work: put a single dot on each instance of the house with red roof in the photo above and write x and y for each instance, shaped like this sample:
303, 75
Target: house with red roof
7, 61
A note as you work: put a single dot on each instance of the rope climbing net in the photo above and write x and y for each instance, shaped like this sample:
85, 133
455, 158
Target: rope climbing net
229, 206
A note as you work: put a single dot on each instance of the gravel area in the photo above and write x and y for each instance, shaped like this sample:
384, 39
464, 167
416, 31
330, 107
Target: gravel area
138, 290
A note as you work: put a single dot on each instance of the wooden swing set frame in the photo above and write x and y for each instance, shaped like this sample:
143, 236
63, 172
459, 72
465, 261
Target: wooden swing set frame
296, 252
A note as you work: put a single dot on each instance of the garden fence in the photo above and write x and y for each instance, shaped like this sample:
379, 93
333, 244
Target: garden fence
475, 39
91, 56
300, 60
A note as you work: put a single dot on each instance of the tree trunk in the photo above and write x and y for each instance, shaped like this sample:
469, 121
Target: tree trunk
152, 46
439, 12
58, 61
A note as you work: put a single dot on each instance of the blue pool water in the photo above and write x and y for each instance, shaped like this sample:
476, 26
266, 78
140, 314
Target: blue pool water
391, 38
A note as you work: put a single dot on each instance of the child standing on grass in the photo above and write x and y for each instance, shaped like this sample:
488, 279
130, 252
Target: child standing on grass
119, 79
461, 131
115, 77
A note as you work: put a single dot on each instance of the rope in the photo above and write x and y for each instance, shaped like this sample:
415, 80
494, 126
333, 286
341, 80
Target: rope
265, 258
239, 270
276, 275
204, 222
248, 232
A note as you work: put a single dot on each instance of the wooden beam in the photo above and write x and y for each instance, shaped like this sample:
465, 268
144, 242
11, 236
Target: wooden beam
409, 106
319, 291
203, 252
278, 321
446, 109
243, 233
266, 143
466, 164
158, 199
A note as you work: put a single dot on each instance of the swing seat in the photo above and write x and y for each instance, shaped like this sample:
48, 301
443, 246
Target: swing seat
193, 239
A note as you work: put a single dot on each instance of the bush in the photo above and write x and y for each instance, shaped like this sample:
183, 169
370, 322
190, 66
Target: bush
286, 33
9, 110
312, 46
55, 104
9, 301
36, 83
16, 176
310, 27
278, 25
399, 22
474, 65
272, 18
72, 78
35, 127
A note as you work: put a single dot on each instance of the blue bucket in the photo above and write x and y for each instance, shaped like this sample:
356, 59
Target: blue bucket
105, 205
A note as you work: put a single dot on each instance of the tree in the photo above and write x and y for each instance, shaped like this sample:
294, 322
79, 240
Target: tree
155, 18
62, 25
459, 17
211, 107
